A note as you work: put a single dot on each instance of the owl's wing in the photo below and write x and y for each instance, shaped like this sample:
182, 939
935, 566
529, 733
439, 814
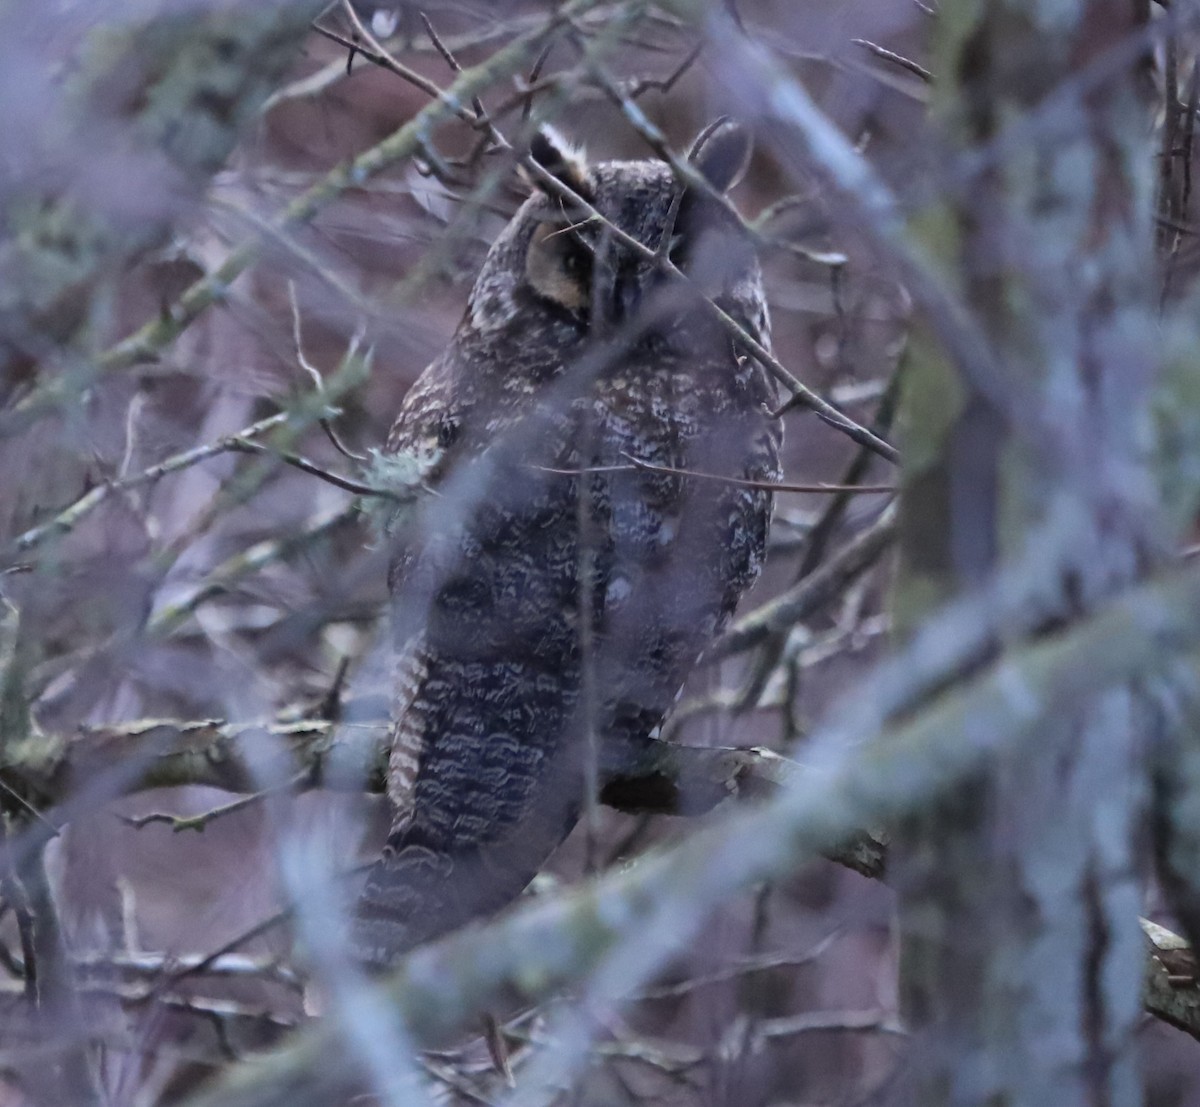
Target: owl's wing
469, 833
487, 773
481, 784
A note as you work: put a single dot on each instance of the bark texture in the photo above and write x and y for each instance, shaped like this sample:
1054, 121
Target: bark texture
1019, 893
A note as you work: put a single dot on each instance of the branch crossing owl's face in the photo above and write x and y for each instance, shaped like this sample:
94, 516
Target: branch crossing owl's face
556, 270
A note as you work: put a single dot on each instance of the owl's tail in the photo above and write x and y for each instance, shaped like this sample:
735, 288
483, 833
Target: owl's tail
415, 893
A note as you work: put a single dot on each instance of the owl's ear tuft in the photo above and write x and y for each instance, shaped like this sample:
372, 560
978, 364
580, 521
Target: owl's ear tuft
721, 153
560, 159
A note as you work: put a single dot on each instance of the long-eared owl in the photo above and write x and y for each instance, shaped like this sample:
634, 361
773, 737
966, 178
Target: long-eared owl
578, 545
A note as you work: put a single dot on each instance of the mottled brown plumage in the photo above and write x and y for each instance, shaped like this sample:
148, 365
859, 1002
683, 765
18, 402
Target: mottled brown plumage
547, 584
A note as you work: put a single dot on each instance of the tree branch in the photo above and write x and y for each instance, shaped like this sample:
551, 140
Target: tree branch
665, 898
171, 95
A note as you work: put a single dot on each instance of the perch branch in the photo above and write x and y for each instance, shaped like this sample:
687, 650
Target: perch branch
664, 899
883, 776
799, 601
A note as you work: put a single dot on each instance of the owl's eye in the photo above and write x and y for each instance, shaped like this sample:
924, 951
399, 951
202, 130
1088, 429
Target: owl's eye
559, 266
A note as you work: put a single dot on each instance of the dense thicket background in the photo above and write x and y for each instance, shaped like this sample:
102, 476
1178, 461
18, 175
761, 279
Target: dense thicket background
224, 244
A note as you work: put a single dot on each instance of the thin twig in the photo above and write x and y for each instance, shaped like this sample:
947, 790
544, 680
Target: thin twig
143, 965
664, 84
244, 446
799, 601
745, 967
201, 822
896, 59
30, 810
532, 80
375, 53
856, 1022
764, 485
69, 517
801, 395
326, 423
450, 59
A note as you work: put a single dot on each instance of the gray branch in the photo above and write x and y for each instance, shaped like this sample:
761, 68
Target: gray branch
530, 953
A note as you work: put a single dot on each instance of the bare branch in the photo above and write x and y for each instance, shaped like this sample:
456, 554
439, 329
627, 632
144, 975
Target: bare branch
666, 897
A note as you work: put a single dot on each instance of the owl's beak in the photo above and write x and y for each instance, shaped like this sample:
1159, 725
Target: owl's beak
626, 294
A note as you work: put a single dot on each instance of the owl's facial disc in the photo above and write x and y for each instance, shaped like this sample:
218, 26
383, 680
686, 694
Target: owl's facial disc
596, 281
575, 267
602, 283
558, 265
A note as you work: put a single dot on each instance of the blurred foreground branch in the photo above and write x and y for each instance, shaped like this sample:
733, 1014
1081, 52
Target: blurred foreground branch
533, 952
171, 95
410, 139
665, 898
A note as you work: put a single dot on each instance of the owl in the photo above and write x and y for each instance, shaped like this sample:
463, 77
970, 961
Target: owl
579, 541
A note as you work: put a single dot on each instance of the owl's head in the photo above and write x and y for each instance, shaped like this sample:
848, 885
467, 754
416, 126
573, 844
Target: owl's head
554, 267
